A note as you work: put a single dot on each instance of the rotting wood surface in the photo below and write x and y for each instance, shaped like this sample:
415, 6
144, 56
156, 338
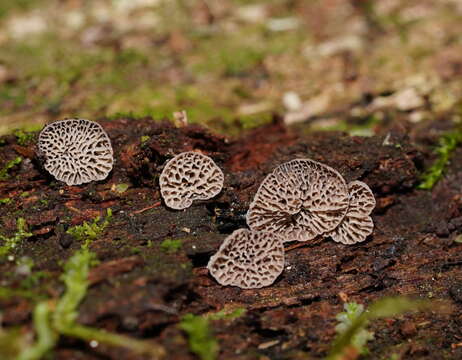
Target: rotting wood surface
142, 291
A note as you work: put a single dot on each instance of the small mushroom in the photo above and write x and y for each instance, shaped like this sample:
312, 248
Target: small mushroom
248, 259
357, 224
187, 177
76, 151
299, 200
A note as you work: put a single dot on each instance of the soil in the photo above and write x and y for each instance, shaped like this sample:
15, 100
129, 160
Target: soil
141, 290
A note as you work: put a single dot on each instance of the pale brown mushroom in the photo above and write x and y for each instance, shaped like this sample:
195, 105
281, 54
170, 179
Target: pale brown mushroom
357, 224
248, 259
299, 200
187, 177
76, 151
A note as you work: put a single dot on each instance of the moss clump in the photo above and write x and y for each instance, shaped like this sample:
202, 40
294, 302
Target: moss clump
171, 245
446, 146
200, 338
352, 334
54, 319
10, 164
90, 231
144, 139
23, 138
5, 201
12, 242
121, 188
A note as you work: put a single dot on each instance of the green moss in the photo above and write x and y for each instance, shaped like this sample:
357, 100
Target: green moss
75, 278
171, 245
14, 95
51, 321
6, 7
8, 293
134, 250
144, 139
226, 315
11, 243
5, 201
46, 336
44, 202
121, 188
351, 330
200, 338
9, 165
90, 231
255, 120
353, 126
31, 281
23, 138
446, 146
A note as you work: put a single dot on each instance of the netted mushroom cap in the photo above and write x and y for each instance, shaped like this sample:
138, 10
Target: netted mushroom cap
357, 224
76, 151
299, 200
248, 259
187, 177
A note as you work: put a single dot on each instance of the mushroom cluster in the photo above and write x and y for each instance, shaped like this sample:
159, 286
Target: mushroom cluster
299, 201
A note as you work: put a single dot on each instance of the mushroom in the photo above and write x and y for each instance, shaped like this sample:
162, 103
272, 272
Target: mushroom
76, 151
357, 224
187, 177
248, 259
299, 200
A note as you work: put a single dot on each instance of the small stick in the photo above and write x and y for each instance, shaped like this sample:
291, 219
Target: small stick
181, 118
146, 208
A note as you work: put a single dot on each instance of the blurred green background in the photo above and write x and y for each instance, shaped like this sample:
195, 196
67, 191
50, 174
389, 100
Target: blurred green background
230, 64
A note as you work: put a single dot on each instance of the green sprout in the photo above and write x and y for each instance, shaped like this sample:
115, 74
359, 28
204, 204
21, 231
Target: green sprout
144, 139
54, 319
351, 314
10, 164
446, 147
200, 338
12, 242
352, 335
23, 138
90, 231
121, 188
171, 245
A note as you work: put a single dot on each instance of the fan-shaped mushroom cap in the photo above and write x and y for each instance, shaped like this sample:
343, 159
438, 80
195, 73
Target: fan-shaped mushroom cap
357, 224
248, 259
187, 177
76, 151
299, 200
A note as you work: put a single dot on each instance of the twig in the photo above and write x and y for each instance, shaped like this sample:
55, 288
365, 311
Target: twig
146, 208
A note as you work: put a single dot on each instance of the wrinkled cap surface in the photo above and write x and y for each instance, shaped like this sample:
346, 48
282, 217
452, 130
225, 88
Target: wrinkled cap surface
248, 259
299, 200
187, 177
357, 224
76, 151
